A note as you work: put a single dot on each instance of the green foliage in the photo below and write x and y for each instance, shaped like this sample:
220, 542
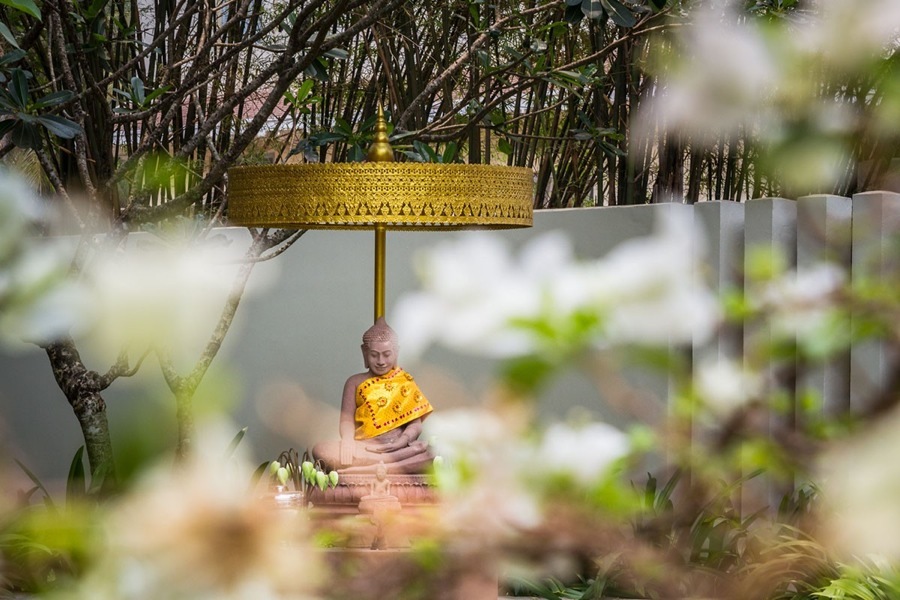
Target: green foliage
137, 96
26, 119
47, 542
424, 153
26, 6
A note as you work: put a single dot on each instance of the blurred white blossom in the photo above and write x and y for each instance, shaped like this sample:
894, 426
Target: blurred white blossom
480, 476
848, 34
801, 302
586, 452
196, 531
736, 75
860, 484
725, 385
651, 289
479, 299
37, 302
494, 471
474, 288
152, 294
728, 74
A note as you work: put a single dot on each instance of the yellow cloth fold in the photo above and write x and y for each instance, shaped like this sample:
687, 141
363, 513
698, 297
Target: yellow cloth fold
387, 402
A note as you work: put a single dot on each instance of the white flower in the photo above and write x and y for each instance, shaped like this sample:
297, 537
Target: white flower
37, 303
474, 289
801, 302
727, 75
650, 290
155, 295
19, 208
465, 433
483, 491
586, 453
196, 531
476, 296
860, 484
725, 386
850, 33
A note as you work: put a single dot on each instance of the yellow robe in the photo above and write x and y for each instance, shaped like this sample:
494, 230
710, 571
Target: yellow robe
387, 402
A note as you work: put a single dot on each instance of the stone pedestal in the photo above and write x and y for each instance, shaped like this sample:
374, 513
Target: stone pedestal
377, 556
410, 490
378, 574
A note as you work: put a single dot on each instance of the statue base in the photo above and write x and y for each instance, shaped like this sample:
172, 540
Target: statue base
365, 574
410, 490
371, 552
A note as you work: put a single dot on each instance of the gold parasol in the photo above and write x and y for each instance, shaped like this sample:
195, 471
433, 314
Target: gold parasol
380, 195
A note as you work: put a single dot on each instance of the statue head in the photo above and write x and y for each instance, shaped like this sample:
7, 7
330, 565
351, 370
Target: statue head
380, 348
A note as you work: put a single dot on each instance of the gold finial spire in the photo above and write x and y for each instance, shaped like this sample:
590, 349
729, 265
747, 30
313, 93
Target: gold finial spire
380, 150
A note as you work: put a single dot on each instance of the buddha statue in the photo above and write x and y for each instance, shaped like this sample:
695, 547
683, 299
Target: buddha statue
382, 410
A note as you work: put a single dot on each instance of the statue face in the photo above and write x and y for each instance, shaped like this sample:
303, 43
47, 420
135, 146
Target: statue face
381, 357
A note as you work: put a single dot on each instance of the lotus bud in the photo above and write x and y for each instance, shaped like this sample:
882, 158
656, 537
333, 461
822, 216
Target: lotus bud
333, 478
274, 466
282, 475
309, 471
321, 480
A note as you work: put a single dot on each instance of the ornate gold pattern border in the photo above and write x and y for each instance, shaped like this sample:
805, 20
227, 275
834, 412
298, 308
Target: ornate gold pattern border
396, 195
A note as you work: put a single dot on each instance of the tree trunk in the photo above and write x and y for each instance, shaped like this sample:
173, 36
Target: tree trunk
82, 388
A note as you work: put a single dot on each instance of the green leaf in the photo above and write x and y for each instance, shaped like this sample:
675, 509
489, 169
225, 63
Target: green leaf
592, 9
258, 473
26, 6
473, 12
318, 69
6, 103
504, 146
60, 126
18, 88
235, 442
449, 153
12, 56
425, 151
137, 87
75, 487
343, 127
7, 35
36, 481
95, 8
156, 93
26, 135
619, 13
356, 154
573, 14
53, 99
325, 137
6, 126
338, 53
304, 91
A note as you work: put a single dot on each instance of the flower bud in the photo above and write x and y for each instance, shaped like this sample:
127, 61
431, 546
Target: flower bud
274, 466
309, 471
321, 480
282, 475
333, 478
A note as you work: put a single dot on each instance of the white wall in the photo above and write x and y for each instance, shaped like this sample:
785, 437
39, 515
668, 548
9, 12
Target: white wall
292, 346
